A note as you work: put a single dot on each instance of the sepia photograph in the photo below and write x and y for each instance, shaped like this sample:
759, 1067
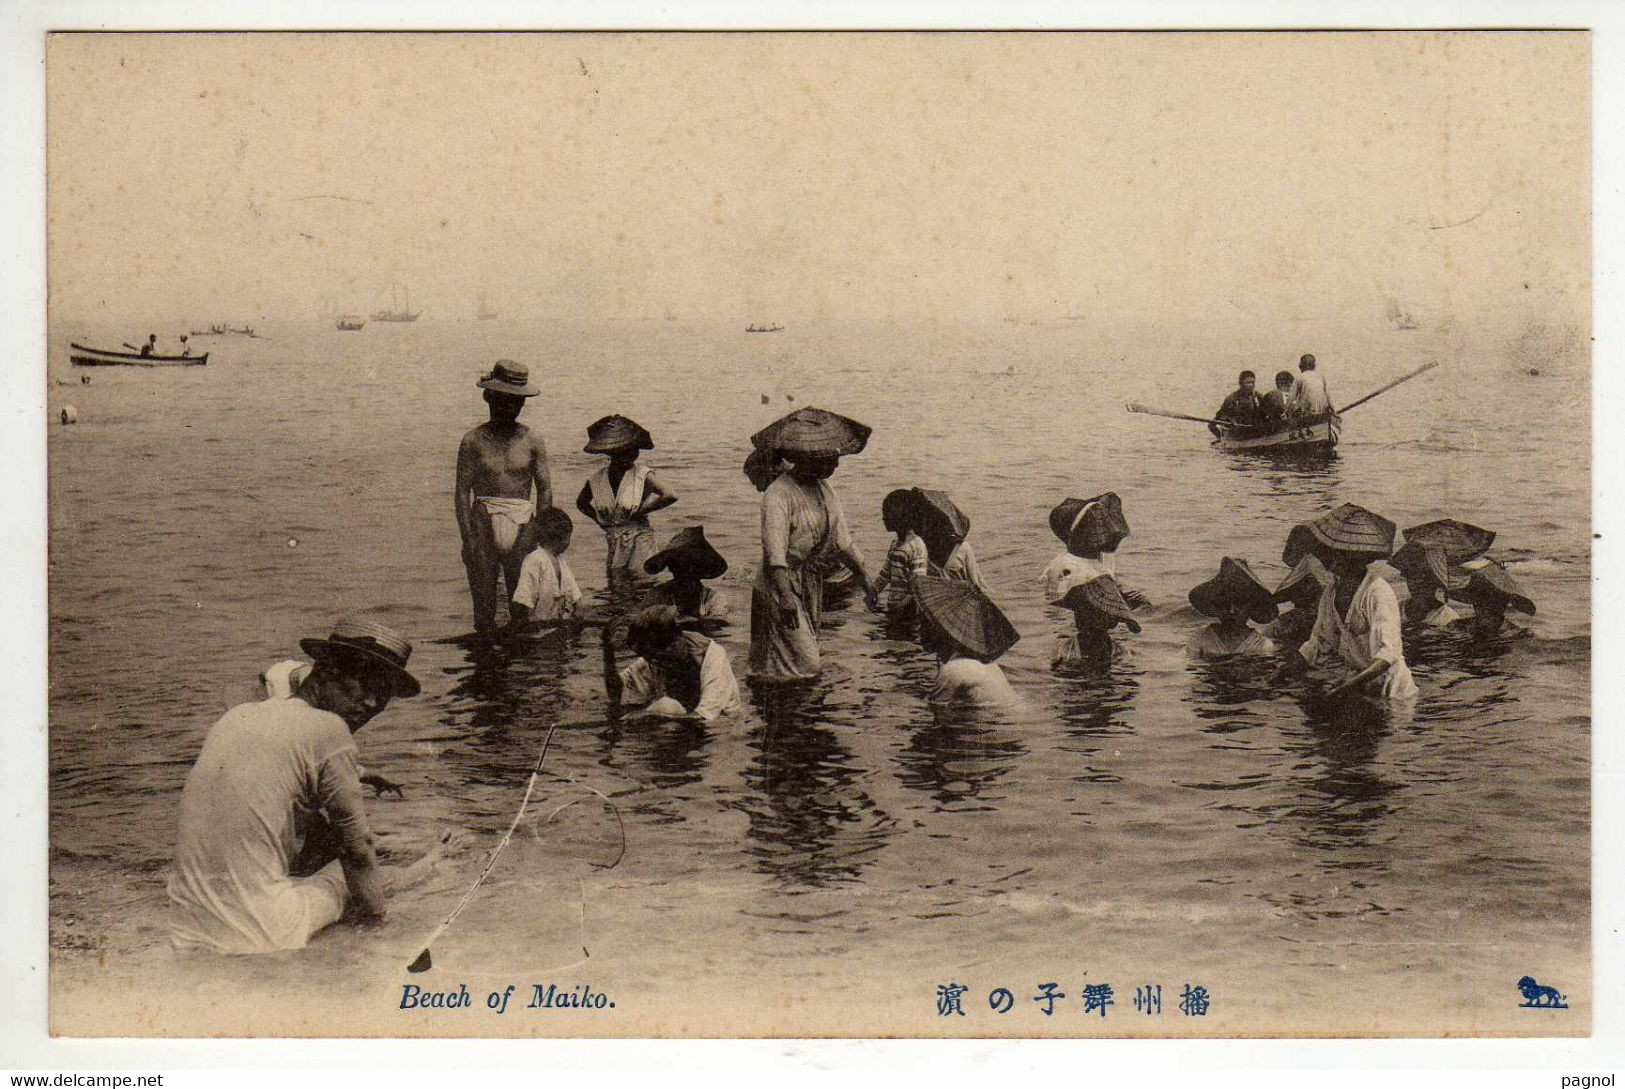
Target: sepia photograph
847, 534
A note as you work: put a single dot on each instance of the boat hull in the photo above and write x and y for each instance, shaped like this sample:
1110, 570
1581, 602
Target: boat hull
81, 356
1320, 437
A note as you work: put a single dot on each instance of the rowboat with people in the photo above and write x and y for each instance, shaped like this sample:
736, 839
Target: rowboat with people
81, 356
1316, 436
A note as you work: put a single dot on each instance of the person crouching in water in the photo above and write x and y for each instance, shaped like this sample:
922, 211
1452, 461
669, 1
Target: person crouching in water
1091, 530
1301, 588
547, 587
677, 674
621, 496
1427, 575
1233, 597
1492, 592
273, 843
1358, 619
691, 560
968, 634
1097, 606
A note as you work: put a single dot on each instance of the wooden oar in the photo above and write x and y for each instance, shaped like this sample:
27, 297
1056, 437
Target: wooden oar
1134, 406
1403, 378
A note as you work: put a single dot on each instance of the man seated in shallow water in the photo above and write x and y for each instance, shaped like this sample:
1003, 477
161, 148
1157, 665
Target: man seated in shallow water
275, 794
498, 465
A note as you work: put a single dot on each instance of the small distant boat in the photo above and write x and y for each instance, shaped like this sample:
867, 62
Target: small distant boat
224, 330
764, 328
81, 356
403, 312
1320, 437
350, 323
485, 313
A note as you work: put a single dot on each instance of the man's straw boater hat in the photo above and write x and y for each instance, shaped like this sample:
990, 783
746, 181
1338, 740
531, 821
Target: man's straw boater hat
509, 377
1104, 596
1090, 525
1234, 582
615, 433
364, 646
690, 547
1349, 529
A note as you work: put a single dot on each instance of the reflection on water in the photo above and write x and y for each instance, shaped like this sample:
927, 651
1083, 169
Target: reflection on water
810, 821
958, 757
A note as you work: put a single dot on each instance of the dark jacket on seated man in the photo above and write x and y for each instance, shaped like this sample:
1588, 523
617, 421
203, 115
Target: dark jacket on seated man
1242, 407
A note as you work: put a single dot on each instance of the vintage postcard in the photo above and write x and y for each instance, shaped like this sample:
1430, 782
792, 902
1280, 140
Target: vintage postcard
820, 534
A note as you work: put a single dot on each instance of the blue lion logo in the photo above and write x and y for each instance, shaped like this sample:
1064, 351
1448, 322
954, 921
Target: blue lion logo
1538, 997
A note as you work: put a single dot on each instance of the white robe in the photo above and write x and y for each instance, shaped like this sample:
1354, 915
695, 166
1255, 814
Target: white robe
1370, 631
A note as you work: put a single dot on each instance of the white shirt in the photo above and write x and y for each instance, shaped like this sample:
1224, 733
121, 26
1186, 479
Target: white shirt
1368, 633
547, 586
1066, 571
262, 769
719, 688
969, 680
1309, 396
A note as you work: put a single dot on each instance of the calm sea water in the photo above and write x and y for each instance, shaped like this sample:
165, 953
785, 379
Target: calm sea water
1167, 824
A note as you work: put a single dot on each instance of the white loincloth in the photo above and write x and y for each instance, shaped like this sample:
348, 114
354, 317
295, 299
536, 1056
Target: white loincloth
507, 515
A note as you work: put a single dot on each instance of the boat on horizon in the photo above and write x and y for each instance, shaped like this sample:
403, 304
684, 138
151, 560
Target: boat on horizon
764, 328
81, 356
1402, 318
223, 330
397, 311
485, 313
349, 323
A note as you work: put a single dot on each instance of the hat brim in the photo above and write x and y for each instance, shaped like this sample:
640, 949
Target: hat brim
496, 385
402, 684
708, 563
1209, 598
611, 446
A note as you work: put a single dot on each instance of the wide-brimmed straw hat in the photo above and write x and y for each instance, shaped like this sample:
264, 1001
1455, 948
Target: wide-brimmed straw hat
1234, 581
1459, 541
688, 546
509, 377
1308, 570
966, 615
1426, 564
1090, 525
1492, 582
370, 646
1104, 596
814, 431
617, 432
1349, 529
938, 519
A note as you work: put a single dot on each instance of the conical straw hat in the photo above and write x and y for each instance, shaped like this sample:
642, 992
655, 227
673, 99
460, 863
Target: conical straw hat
1493, 582
1309, 570
1351, 529
1104, 596
964, 614
612, 433
1459, 541
1424, 565
813, 431
1235, 580
1090, 525
689, 545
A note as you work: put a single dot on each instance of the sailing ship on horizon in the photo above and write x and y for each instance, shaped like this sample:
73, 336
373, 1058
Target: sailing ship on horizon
399, 310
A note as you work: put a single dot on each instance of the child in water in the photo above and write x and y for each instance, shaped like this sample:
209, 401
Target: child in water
968, 634
677, 674
691, 560
907, 556
547, 588
1097, 606
620, 497
1493, 592
1091, 530
1233, 597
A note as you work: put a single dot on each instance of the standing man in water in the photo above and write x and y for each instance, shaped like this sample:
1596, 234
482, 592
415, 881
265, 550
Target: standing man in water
498, 462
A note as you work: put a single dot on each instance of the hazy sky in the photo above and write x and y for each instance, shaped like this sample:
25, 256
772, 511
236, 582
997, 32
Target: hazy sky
1233, 178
